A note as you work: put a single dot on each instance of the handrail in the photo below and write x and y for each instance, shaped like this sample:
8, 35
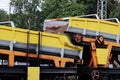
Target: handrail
8, 22
96, 15
67, 18
110, 19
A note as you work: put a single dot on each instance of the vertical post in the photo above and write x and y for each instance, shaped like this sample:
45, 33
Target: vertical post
101, 12
102, 9
109, 47
93, 53
10, 11
11, 59
33, 73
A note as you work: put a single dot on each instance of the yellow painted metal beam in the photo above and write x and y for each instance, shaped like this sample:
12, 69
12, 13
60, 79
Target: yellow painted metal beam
33, 73
102, 55
95, 25
48, 39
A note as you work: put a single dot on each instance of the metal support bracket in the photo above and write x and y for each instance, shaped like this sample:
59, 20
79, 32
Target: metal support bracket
11, 45
62, 52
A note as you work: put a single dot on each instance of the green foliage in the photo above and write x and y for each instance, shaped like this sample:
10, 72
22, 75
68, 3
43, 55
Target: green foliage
112, 5
3, 15
113, 9
91, 5
63, 8
25, 10
116, 12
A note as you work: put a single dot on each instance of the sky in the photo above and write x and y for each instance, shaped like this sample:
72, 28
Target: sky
4, 4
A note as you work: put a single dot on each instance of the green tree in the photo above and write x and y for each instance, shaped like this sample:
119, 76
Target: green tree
115, 13
25, 10
62, 8
3, 15
91, 5
113, 9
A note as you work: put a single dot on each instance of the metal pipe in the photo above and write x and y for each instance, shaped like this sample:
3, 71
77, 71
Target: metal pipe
8, 22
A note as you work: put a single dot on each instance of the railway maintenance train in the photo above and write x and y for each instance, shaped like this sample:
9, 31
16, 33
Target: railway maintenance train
71, 48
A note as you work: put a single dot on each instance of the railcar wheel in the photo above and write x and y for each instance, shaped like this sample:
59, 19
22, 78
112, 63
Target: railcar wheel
95, 75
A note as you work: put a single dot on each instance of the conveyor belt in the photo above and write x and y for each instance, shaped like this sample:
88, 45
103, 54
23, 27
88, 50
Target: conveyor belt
15, 39
95, 27
33, 49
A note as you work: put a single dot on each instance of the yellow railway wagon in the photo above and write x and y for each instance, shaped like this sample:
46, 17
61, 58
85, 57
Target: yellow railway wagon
17, 39
95, 27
